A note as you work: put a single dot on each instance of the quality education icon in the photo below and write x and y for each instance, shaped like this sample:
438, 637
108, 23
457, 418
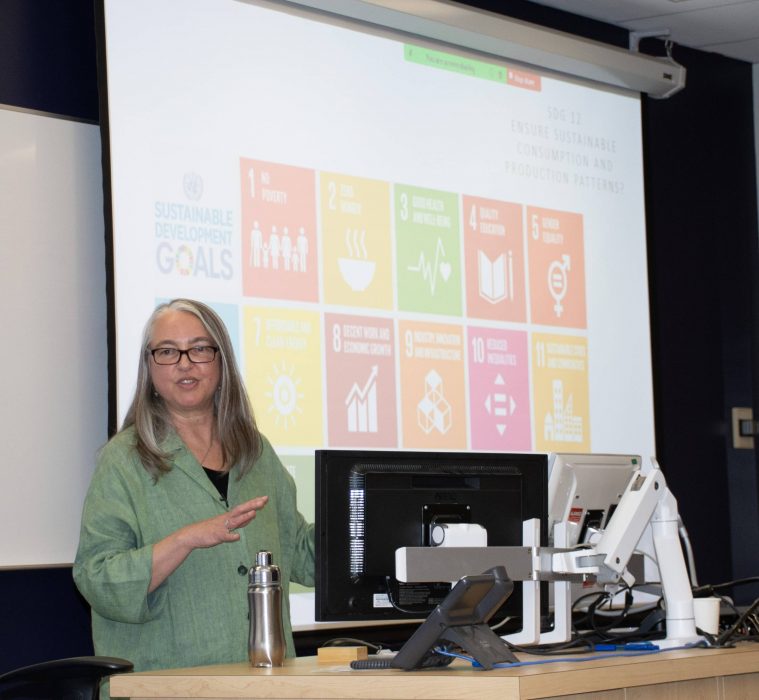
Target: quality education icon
494, 259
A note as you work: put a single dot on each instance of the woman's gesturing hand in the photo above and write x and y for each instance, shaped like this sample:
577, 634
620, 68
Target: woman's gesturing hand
171, 551
222, 528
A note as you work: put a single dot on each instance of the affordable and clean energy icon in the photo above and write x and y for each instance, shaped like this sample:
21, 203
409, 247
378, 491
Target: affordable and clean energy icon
558, 281
438, 266
356, 270
284, 396
361, 403
433, 412
500, 404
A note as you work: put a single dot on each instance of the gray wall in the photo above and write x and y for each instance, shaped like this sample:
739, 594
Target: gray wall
52, 281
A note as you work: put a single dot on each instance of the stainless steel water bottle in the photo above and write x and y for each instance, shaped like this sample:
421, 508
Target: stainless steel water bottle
266, 642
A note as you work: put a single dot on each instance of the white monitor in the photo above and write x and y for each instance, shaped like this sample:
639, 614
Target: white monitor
585, 489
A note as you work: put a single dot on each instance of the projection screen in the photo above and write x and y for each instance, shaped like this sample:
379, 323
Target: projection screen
413, 245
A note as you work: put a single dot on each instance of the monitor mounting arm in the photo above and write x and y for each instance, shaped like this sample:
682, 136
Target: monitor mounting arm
646, 499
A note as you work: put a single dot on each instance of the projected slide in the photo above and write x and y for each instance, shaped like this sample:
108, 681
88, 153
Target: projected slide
414, 247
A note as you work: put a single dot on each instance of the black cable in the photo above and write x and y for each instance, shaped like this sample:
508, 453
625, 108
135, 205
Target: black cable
615, 622
725, 636
371, 664
598, 597
644, 631
585, 640
571, 647
418, 613
725, 600
711, 587
351, 642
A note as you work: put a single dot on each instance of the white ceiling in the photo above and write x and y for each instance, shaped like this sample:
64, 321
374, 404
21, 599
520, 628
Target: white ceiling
727, 27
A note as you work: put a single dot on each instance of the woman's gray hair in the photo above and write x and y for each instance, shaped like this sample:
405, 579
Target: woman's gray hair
235, 425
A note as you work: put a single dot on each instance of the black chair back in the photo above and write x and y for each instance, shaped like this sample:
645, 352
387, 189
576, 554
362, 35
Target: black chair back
77, 678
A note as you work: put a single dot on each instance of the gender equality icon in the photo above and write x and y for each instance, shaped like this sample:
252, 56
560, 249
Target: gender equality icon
558, 281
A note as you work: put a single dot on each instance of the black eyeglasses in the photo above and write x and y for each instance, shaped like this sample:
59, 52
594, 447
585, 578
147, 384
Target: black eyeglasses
199, 354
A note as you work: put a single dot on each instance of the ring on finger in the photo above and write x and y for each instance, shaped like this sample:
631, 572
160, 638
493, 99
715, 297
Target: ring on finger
226, 525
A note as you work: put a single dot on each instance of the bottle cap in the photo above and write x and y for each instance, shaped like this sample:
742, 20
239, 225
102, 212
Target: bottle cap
264, 573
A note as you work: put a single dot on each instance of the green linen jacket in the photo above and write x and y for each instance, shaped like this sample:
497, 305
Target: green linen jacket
199, 614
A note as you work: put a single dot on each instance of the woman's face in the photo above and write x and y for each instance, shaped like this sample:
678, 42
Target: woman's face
188, 388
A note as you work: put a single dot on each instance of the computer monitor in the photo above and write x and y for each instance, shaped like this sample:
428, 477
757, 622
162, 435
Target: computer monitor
585, 489
369, 503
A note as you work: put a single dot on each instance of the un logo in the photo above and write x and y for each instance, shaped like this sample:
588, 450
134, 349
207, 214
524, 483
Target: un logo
193, 186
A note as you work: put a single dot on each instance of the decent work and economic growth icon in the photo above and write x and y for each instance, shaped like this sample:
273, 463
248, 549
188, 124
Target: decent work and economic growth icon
361, 405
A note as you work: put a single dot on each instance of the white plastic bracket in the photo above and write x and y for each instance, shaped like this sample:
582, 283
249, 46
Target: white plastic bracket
562, 596
530, 632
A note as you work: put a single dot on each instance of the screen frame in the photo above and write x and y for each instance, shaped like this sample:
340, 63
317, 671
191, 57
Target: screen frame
334, 587
587, 483
120, 313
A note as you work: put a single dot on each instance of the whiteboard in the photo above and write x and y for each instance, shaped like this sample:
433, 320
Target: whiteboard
54, 409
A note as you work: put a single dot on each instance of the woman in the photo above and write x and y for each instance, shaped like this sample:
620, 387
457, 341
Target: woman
175, 512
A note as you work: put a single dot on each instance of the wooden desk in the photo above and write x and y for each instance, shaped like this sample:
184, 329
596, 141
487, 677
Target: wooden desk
698, 674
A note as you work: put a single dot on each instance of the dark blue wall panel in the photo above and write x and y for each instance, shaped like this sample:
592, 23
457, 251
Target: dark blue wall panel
42, 617
47, 56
